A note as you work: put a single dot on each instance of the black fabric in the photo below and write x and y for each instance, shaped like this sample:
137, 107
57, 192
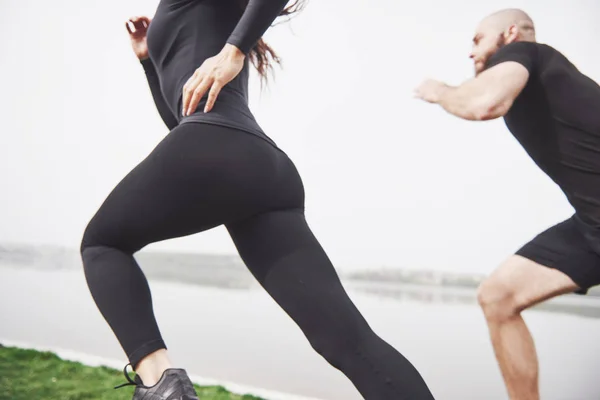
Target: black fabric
258, 16
525, 53
565, 248
557, 120
199, 177
161, 105
183, 34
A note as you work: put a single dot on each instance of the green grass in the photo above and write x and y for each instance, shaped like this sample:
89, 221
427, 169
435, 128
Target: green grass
29, 374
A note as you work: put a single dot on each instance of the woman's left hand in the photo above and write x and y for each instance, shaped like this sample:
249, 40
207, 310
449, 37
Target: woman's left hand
213, 74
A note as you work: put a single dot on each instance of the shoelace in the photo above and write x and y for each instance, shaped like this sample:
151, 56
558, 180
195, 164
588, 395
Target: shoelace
130, 381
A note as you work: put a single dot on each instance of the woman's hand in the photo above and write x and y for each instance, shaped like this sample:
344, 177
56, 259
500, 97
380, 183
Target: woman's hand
213, 74
138, 35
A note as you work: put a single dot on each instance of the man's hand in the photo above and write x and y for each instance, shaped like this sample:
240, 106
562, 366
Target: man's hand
431, 91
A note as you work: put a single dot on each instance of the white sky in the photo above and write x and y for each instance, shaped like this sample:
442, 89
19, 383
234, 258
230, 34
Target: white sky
390, 181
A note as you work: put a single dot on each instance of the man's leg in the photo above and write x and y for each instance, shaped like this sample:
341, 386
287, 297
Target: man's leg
518, 284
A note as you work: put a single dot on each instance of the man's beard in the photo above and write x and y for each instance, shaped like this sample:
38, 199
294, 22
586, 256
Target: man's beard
501, 42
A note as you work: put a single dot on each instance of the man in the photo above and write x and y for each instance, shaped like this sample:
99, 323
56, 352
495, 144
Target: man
553, 110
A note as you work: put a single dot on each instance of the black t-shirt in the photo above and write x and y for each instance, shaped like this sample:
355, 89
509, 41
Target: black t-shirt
556, 118
183, 34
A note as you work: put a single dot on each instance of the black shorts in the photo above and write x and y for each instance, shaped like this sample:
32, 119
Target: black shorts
569, 248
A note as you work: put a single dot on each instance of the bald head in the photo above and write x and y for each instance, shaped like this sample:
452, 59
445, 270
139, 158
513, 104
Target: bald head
503, 20
497, 30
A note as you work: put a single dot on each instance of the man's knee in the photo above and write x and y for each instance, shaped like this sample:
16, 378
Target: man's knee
504, 294
518, 284
498, 299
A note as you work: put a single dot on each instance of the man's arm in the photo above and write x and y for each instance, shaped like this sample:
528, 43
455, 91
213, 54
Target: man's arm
491, 94
488, 96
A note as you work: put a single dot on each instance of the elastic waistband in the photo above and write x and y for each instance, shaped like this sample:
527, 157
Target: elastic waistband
205, 119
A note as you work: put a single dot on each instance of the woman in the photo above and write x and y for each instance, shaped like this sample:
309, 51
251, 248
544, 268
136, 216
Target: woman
217, 167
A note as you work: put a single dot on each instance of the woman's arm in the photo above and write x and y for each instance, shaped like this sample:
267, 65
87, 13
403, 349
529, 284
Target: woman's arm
257, 18
219, 70
161, 105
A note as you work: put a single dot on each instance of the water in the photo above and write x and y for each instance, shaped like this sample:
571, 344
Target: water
232, 330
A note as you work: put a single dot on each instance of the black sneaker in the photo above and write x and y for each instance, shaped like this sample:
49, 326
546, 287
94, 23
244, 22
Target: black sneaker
174, 384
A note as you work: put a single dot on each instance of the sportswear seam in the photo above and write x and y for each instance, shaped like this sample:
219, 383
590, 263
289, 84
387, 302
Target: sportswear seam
143, 346
103, 247
277, 263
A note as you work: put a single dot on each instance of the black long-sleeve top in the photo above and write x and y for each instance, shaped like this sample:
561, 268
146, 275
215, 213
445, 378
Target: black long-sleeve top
183, 34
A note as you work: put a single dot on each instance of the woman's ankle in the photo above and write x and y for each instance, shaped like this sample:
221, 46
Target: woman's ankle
151, 368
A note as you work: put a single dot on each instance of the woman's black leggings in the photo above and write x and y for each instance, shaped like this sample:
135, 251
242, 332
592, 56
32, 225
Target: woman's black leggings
202, 176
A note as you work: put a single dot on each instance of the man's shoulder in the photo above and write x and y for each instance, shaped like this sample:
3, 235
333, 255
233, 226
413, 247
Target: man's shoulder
532, 55
525, 48
542, 51
526, 45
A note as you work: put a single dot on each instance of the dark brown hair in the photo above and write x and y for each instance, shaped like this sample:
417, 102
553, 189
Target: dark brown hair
262, 55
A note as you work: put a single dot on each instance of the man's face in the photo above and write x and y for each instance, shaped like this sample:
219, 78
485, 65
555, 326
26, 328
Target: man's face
486, 42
